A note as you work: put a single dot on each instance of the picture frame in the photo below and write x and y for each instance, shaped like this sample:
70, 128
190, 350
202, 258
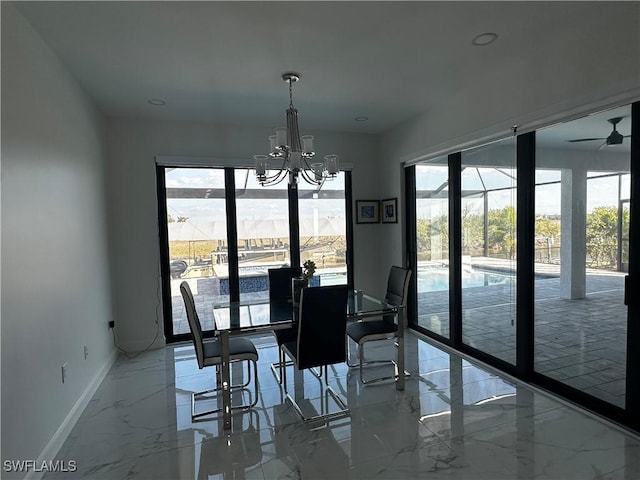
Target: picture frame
367, 211
389, 209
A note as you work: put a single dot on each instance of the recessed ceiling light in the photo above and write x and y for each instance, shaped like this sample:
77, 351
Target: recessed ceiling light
361, 119
484, 39
156, 102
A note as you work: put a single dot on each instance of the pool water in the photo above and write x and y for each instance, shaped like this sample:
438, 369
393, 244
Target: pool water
438, 280
333, 279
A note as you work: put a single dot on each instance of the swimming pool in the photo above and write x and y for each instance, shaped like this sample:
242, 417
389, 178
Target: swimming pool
438, 280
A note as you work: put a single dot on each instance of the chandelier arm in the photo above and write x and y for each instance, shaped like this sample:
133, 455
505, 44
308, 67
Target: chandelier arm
284, 162
308, 178
277, 176
276, 179
304, 175
319, 183
271, 184
274, 176
304, 159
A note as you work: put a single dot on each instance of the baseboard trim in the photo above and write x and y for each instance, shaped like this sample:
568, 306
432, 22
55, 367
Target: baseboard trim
57, 440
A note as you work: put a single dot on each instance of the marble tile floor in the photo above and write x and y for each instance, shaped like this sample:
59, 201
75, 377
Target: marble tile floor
455, 420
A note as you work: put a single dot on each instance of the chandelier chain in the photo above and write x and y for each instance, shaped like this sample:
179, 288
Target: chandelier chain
290, 93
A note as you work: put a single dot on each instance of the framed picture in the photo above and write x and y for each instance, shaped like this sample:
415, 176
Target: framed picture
389, 210
367, 211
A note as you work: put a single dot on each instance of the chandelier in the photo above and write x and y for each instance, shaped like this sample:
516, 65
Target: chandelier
294, 154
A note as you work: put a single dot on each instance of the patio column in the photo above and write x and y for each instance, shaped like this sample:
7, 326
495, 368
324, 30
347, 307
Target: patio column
573, 250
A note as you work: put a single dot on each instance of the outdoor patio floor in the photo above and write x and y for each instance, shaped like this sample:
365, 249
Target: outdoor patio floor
579, 342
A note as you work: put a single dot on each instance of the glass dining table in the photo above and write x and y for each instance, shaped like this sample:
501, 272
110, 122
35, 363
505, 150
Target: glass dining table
256, 316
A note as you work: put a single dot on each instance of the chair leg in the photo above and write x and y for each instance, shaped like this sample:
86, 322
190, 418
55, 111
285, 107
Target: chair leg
349, 364
362, 363
255, 385
360, 348
248, 382
242, 387
276, 368
283, 371
324, 417
195, 415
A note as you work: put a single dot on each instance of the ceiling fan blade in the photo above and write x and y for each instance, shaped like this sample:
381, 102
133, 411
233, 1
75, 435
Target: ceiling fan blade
585, 140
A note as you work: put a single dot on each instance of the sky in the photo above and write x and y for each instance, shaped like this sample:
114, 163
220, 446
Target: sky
214, 209
600, 192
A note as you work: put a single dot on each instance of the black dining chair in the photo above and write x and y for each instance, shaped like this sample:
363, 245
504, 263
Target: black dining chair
280, 297
320, 342
209, 353
385, 328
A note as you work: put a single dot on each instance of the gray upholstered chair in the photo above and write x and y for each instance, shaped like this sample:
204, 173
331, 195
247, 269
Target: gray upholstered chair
384, 329
209, 353
320, 342
280, 298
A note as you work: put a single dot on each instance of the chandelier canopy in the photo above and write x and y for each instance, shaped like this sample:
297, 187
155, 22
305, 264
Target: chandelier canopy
294, 154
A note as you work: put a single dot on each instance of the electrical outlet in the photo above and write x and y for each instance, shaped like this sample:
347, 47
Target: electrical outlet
86, 352
64, 371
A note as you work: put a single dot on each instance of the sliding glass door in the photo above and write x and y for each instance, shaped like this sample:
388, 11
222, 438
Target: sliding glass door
489, 249
221, 231
432, 243
322, 216
196, 226
262, 219
583, 250
535, 241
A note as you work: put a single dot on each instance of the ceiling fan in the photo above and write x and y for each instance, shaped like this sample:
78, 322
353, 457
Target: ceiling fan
614, 138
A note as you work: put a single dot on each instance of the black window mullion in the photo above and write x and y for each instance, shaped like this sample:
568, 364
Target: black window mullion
348, 199
411, 225
485, 227
455, 248
633, 323
294, 226
232, 234
525, 228
164, 252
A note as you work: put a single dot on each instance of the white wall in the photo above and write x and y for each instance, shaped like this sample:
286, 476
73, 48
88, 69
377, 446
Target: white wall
55, 283
134, 233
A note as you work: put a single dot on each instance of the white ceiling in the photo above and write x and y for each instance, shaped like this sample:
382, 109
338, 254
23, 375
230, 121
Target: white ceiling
389, 61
